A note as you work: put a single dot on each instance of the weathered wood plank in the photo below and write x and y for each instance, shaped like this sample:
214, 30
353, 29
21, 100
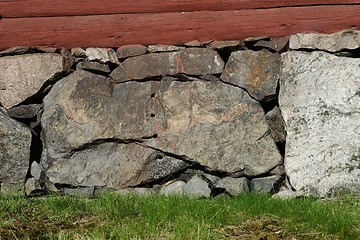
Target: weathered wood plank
48, 8
174, 28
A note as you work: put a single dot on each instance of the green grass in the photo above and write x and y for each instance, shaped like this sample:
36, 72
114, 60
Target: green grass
110, 216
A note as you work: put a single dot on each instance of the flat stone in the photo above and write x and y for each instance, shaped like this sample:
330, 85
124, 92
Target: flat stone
193, 61
135, 191
218, 45
276, 125
16, 51
130, 51
265, 184
257, 72
15, 140
344, 40
93, 67
233, 186
24, 111
103, 55
68, 59
45, 49
197, 187
175, 188
23, 76
275, 44
320, 103
164, 48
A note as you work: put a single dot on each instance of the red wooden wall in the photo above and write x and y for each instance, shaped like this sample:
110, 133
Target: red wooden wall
112, 23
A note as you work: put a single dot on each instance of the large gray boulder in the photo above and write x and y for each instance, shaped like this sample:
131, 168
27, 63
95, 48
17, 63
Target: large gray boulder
88, 124
320, 102
15, 140
23, 76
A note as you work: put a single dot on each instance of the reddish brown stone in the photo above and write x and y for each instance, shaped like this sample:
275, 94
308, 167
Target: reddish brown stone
192, 61
130, 51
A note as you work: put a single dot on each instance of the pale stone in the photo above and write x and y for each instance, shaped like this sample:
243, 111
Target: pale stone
233, 186
103, 55
320, 103
344, 40
197, 187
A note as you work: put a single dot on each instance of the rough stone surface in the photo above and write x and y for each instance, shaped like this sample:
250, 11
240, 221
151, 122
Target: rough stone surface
175, 188
103, 55
275, 44
276, 125
257, 72
265, 184
130, 51
23, 76
196, 61
15, 141
320, 103
24, 111
233, 186
90, 128
78, 52
233, 45
197, 188
32, 185
344, 40
35, 170
93, 67
163, 48
16, 51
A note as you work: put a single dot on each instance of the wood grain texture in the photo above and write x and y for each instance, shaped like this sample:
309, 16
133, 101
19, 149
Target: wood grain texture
173, 28
50, 8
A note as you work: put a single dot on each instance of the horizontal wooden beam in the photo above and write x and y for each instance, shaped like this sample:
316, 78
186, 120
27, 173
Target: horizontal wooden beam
52, 8
173, 28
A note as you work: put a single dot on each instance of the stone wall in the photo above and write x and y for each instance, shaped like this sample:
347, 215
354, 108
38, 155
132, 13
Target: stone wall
200, 119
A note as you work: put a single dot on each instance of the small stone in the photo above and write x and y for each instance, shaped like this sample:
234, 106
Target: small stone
35, 170
130, 51
78, 52
24, 111
196, 43
275, 44
233, 186
197, 188
279, 170
68, 59
265, 184
344, 40
93, 67
276, 125
46, 49
256, 39
32, 185
163, 48
103, 55
175, 188
257, 72
234, 45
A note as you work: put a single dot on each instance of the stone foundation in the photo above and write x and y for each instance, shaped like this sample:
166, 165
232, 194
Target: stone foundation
199, 119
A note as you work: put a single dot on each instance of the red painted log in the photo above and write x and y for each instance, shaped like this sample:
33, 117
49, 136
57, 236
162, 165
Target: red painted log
48, 8
173, 28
